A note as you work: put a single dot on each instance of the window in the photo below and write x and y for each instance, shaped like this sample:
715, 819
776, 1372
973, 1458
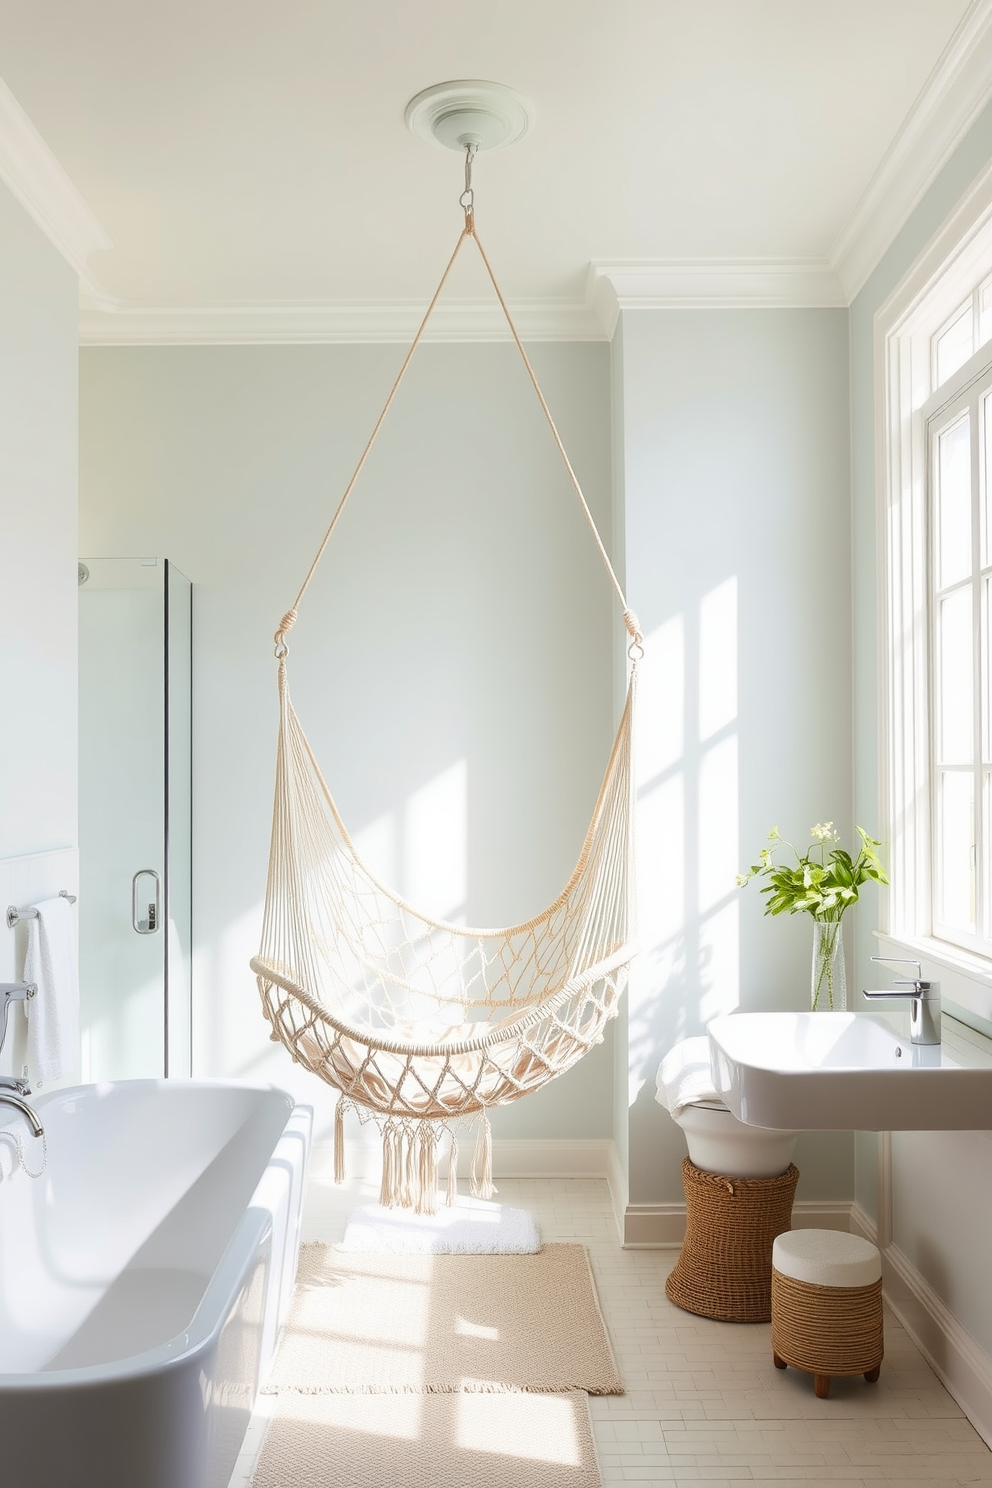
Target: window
966, 330
933, 361
959, 564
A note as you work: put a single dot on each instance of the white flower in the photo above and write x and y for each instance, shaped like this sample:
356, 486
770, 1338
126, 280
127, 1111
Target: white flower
822, 832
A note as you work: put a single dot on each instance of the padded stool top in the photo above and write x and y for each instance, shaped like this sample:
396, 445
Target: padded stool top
826, 1258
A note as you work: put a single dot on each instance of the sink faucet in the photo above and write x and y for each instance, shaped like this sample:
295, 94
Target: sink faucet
925, 1016
9, 1098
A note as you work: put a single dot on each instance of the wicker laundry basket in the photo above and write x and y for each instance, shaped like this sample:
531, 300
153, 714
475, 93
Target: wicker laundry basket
827, 1306
725, 1268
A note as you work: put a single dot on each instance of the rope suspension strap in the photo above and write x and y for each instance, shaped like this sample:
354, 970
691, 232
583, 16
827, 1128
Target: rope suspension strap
420, 1024
467, 202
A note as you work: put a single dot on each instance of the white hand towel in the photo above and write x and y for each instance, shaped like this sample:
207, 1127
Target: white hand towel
53, 1012
684, 1075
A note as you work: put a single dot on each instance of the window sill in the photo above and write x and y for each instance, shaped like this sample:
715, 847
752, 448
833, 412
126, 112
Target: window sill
965, 979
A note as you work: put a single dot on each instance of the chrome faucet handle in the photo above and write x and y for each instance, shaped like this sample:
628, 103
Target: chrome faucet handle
923, 988
924, 996
15, 1083
18, 991
901, 961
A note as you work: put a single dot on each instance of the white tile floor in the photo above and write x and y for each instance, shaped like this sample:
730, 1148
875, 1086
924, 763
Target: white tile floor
704, 1403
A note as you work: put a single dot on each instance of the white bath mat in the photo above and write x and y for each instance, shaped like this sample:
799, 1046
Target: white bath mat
468, 1227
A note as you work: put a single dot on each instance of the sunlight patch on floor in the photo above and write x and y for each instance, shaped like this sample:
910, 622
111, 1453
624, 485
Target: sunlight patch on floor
540, 1428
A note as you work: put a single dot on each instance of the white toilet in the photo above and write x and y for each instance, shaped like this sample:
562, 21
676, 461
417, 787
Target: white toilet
717, 1141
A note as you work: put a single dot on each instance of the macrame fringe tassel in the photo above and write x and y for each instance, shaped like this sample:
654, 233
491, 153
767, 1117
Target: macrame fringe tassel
339, 1142
452, 1191
408, 1193
482, 1163
388, 1196
427, 1174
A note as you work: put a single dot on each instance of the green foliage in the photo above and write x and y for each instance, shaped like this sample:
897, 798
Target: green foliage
824, 885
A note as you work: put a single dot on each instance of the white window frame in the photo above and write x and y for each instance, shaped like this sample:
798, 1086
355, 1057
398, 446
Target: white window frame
963, 396
954, 262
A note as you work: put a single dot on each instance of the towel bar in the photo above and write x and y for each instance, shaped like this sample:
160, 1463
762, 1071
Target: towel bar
15, 915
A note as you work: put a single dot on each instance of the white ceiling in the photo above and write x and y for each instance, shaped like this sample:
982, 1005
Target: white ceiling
250, 159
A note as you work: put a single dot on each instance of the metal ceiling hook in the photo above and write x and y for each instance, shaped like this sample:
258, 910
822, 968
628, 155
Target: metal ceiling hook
467, 198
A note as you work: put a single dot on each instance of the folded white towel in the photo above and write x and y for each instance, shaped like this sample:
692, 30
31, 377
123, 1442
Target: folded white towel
684, 1076
53, 1012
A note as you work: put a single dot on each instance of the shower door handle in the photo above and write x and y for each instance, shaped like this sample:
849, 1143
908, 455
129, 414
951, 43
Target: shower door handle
149, 924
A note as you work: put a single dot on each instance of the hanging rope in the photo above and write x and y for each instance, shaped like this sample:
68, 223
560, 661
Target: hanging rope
421, 1024
467, 202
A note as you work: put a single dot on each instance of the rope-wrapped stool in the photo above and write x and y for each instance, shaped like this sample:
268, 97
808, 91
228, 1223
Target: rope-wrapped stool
827, 1305
724, 1270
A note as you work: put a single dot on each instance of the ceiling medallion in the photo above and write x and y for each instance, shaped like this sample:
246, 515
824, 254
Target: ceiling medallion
454, 115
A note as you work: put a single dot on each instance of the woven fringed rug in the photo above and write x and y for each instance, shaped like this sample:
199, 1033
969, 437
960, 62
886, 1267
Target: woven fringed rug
438, 1371
443, 1324
459, 1440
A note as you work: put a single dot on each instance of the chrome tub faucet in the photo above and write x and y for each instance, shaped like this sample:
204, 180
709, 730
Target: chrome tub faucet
9, 1098
925, 999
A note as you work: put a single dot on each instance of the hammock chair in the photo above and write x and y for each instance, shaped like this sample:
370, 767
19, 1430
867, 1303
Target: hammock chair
420, 1024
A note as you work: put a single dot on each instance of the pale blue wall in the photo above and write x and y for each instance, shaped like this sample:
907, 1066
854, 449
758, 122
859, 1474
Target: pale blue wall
735, 452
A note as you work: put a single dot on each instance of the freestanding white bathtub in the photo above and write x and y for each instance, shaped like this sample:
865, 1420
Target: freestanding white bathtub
143, 1279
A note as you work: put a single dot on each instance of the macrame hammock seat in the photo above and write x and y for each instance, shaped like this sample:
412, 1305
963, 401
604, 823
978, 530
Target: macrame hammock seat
421, 1024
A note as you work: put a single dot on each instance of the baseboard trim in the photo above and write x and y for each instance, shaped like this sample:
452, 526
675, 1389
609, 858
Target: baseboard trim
662, 1226
616, 1182
962, 1365
512, 1158
653, 1226
540, 1157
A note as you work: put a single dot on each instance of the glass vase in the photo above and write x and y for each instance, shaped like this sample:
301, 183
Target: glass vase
828, 983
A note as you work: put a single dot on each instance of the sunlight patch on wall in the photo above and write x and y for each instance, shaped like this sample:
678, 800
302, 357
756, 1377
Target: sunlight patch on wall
688, 809
719, 941
719, 834
660, 719
435, 845
718, 659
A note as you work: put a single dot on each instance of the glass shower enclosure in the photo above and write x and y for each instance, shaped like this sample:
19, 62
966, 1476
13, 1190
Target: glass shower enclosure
135, 632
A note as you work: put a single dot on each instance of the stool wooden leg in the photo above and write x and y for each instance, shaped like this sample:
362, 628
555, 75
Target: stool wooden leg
779, 1363
821, 1384
871, 1375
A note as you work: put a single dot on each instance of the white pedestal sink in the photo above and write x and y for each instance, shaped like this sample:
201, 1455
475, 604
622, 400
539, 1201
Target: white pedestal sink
849, 1072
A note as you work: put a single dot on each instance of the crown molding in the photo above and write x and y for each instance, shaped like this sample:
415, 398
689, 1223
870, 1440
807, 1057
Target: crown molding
115, 323
665, 284
36, 179
952, 98
631, 285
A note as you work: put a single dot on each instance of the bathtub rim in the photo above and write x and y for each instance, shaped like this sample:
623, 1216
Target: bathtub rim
252, 1232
